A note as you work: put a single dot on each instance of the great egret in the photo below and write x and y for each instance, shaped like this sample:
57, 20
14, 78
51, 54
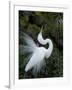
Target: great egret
37, 54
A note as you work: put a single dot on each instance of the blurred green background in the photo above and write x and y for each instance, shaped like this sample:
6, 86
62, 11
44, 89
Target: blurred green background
30, 22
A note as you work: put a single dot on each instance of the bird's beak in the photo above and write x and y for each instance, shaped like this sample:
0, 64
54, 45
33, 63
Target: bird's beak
41, 29
40, 34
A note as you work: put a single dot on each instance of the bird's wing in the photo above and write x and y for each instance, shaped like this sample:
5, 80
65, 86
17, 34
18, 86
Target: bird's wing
35, 60
25, 49
30, 44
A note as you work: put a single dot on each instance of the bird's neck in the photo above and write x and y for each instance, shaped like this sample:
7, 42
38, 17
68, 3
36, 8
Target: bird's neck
49, 42
50, 48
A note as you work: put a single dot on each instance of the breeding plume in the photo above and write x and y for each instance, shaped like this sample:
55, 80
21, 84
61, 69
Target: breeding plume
36, 54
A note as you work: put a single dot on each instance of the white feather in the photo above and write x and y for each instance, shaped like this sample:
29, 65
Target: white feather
36, 59
38, 53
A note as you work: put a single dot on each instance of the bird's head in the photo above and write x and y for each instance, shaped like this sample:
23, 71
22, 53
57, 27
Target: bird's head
39, 38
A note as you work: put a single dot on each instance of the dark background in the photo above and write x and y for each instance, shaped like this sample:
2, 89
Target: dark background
30, 22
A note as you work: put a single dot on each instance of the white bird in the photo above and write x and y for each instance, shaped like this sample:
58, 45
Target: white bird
37, 54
